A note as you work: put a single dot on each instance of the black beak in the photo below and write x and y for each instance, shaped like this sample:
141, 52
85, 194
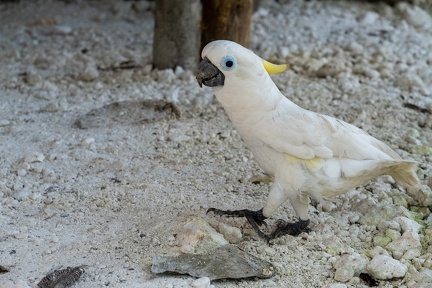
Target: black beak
209, 75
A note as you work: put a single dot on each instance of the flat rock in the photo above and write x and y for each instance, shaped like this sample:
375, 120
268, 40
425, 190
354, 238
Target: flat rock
225, 262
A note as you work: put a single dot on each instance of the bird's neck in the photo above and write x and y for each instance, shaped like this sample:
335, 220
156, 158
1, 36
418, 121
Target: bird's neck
248, 104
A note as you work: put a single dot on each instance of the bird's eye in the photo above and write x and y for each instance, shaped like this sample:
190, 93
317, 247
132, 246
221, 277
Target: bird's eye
228, 63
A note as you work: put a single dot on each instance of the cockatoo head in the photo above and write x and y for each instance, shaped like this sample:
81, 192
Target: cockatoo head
226, 61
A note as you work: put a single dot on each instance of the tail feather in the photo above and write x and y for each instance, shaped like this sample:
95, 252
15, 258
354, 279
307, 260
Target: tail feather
404, 173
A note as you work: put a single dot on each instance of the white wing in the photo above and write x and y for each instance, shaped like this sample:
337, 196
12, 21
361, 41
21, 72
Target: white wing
305, 135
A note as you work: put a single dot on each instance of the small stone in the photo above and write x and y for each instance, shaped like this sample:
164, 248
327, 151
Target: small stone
35, 157
232, 234
369, 18
89, 74
24, 166
349, 266
383, 267
32, 78
424, 276
61, 30
336, 285
381, 241
378, 251
368, 72
203, 282
87, 142
355, 47
196, 235
21, 172
409, 81
99, 86
21, 236
344, 274
22, 194
4, 122
408, 224
408, 240
392, 234
270, 251
414, 15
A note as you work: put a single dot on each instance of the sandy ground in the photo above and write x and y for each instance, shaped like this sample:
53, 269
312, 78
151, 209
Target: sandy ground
113, 187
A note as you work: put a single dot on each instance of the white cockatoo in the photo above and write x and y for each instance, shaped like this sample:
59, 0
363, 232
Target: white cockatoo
307, 153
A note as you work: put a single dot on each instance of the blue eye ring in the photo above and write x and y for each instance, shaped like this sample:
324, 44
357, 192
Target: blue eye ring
228, 63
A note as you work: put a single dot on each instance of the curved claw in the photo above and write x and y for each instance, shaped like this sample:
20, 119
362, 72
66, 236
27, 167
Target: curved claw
293, 229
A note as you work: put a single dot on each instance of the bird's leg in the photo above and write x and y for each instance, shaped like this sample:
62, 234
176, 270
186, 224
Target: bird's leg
255, 218
294, 229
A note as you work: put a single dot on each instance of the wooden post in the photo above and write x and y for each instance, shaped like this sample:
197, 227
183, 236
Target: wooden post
177, 33
226, 20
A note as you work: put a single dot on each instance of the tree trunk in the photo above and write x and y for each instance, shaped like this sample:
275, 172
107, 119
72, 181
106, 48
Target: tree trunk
177, 34
226, 20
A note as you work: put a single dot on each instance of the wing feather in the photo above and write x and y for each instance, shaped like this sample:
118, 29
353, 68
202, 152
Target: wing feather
306, 135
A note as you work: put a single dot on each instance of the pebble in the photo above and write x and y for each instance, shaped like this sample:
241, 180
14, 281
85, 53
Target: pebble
408, 240
414, 15
424, 276
368, 18
336, 285
349, 266
32, 78
231, 234
22, 194
21, 172
61, 30
383, 267
196, 234
203, 282
4, 122
35, 157
87, 142
408, 224
410, 81
90, 73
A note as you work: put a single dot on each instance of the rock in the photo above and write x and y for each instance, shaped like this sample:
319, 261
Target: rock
232, 234
336, 285
32, 78
408, 240
344, 274
334, 246
382, 241
423, 276
414, 15
409, 81
392, 234
197, 235
368, 18
203, 282
61, 30
384, 267
225, 262
349, 266
378, 251
87, 142
408, 224
90, 73
35, 157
